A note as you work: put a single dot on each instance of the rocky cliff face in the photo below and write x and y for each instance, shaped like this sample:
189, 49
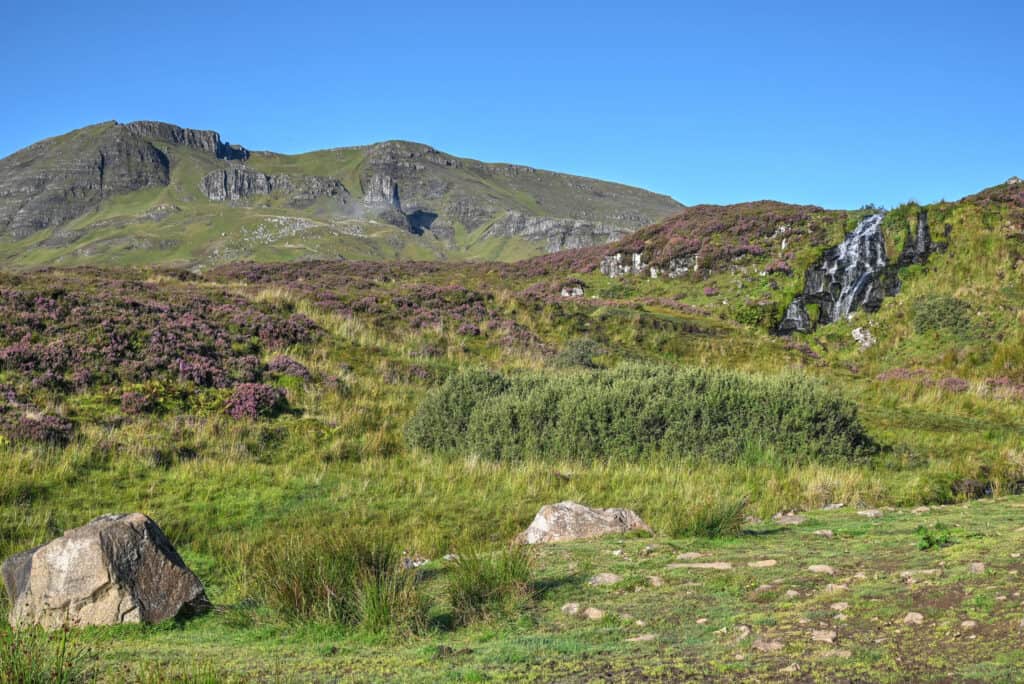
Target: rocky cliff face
205, 141
239, 183
557, 233
60, 179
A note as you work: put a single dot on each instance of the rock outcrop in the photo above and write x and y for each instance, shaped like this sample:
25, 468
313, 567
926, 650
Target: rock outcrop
557, 233
238, 183
848, 277
569, 520
116, 569
205, 141
59, 179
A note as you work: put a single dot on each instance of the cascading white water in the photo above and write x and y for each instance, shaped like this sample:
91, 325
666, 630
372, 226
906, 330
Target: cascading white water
846, 278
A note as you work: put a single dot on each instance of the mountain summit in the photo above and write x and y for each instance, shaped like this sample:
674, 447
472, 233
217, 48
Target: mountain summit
155, 192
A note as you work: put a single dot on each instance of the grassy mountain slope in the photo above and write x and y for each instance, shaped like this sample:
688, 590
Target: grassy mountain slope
450, 208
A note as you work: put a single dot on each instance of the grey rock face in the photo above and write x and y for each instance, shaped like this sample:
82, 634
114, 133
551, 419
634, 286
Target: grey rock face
60, 179
238, 183
116, 569
848, 277
381, 192
558, 233
206, 141
569, 520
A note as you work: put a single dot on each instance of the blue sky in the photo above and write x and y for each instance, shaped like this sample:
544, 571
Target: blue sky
836, 104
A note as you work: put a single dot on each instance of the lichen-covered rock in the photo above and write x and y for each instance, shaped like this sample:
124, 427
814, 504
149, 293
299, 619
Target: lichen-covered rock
116, 569
569, 520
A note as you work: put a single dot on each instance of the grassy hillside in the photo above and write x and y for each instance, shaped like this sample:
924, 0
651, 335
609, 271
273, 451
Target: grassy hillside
125, 390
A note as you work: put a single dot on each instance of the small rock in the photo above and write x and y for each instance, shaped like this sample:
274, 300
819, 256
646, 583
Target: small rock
789, 669
841, 617
604, 579
617, 552
702, 621
719, 565
690, 555
840, 606
870, 513
568, 520
571, 609
792, 593
913, 619
828, 534
768, 563
833, 506
640, 623
863, 337
921, 509
593, 613
655, 581
968, 624
976, 568
788, 518
821, 569
642, 637
910, 575
767, 645
1014, 555
451, 557
835, 588
827, 636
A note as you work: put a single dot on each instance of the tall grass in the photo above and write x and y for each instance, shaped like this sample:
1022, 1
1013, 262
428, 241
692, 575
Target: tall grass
35, 657
482, 585
339, 577
639, 410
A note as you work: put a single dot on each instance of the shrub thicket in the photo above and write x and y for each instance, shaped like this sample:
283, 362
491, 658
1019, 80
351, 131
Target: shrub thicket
942, 313
639, 410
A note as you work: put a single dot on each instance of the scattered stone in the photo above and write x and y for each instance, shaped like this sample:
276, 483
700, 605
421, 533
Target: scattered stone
840, 606
911, 575
833, 506
115, 569
413, 562
921, 509
863, 337
451, 557
1014, 555
913, 619
655, 581
640, 623
769, 563
690, 555
841, 617
836, 588
792, 593
828, 534
976, 568
767, 645
789, 669
571, 609
788, 518
822, 569
604, 579
968, 624
827, 636
569, 520
870, 513
593, 613
617, 552
642, 637
719, 565
702, 621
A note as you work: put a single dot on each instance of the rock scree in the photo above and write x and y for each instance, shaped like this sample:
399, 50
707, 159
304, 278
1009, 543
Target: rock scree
116, 569
569, 520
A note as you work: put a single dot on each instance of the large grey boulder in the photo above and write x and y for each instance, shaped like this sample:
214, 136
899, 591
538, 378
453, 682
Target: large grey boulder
116, 569
569, 520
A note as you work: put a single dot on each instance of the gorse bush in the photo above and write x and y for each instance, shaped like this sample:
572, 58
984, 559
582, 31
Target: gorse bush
639, 410
36, 657
340, 578
482, 585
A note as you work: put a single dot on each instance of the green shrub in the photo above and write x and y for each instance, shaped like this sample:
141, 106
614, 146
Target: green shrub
941, 313
482, 585
341, 578
32, 656
444, 415
578, 353
638, 410
936, 536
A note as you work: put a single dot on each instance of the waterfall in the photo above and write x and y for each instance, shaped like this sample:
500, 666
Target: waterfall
847, 278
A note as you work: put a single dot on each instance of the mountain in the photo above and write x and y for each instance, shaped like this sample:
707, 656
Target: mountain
151, 192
